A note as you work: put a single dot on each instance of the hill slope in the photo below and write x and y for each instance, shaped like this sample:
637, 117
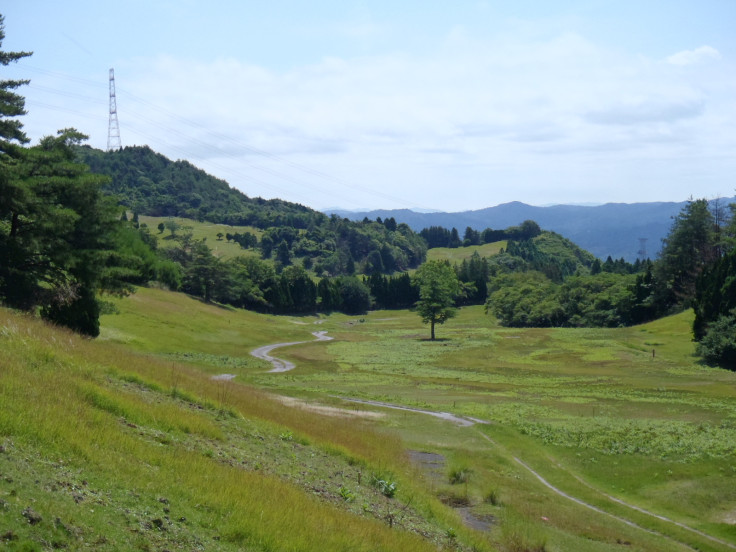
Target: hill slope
133, 452
151, 184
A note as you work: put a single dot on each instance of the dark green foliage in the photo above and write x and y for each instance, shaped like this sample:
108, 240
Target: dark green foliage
346, 294
552, 254
474, 272
532, 299
328, 291
525, 299
60, 237
687, 250
437, 236
149, 183
718, 345
393, 292
715, 295
355, 297
472, 237
438, 288
294, 291
12, 105
548, 281
245, 240
282, 253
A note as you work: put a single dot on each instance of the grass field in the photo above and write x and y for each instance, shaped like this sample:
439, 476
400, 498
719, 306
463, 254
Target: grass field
458, 254
624, 420
204, 230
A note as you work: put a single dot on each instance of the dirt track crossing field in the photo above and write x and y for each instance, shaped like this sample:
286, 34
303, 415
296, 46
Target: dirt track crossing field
280, 365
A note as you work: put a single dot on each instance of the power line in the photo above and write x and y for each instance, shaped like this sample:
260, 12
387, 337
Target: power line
206, 145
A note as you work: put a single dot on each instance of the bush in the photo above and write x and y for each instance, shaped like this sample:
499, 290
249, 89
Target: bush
718, 346
459, 475
492, 498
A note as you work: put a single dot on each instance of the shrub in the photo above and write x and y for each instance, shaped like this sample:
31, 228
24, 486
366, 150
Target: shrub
718, 346
459, 475
492, 498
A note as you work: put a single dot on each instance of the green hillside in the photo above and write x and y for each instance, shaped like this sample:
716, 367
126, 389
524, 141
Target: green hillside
148, 183
204, 231
127, 451
151, 184
132, 444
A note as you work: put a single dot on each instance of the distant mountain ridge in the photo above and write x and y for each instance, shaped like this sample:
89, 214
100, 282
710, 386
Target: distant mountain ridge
612, 229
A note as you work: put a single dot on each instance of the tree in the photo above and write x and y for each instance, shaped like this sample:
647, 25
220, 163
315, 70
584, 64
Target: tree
687, 250
58, 239
438, 287
173, 226
283, 255
355, 296
715, 293
718, 346
12, 105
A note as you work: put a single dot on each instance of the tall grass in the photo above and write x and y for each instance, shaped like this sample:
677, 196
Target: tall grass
61, 399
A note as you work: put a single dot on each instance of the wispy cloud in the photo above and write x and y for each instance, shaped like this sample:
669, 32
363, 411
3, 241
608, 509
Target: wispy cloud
514, 116
691, 57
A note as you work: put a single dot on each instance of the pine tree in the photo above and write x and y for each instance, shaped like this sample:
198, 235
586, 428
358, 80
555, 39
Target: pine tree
12, 105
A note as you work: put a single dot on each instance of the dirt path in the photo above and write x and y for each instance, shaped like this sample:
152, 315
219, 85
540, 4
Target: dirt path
462, 422
281, 365
467, 422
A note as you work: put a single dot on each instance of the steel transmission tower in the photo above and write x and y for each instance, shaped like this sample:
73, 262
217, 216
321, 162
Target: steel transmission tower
113, 128
642, 249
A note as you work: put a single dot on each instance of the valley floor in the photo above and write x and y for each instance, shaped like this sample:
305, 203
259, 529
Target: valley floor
595, 439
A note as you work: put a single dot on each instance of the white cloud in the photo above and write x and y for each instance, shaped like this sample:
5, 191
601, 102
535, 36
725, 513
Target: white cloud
501, 118
691, 57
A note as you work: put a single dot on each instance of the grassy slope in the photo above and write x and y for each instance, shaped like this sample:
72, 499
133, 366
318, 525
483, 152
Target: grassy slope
591, 410
584, 407
457, 254
118, 450
220, 248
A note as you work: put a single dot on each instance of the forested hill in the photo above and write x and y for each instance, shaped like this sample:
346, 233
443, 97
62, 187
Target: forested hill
149, 183
613, 229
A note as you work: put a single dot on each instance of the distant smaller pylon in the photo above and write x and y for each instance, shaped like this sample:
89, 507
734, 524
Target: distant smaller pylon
113, 128
642, 249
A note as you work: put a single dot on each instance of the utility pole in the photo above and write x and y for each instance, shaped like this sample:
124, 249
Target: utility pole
113, 128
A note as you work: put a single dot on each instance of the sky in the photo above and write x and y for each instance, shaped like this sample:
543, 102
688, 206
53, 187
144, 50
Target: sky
428, 104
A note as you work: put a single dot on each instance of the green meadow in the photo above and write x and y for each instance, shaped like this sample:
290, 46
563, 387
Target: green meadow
458, 254
586, 439
203, 230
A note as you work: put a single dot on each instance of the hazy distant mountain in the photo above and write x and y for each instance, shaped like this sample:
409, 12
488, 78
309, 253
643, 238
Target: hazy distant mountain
612, 229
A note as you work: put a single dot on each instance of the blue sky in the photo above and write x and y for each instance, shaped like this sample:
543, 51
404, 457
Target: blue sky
436, 105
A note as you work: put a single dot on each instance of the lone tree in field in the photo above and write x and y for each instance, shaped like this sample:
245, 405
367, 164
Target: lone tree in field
438, 287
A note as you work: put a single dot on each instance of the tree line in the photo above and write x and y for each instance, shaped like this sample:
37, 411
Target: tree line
148, 183
63, 243
438, 236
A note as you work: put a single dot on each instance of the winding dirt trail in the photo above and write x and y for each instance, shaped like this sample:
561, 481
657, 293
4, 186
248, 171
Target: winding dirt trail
279, 364
467, 422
